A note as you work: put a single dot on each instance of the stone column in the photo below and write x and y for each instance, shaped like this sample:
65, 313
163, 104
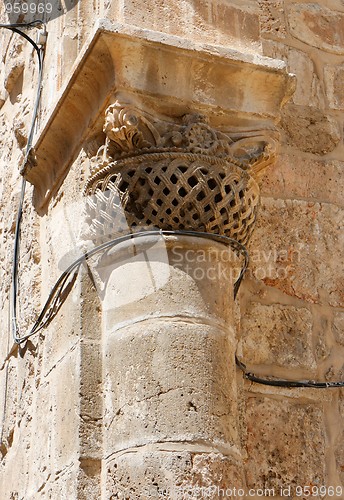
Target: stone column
188, 158
170, 419
170, 422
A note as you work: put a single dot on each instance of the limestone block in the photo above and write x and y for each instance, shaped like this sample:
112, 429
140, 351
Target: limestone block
64, 390
272, 18
310, 130
295, 177
90, 310
334, 81
169, 381
45, 441
42, 456
91, 409
277, 335
318, 26
215, 22
339, 454
308, 90
285, 444
53, 434
14, 66
62, 485
296, 254
8, 415
89, 479
62, 335
142, 475
234, 22
338, 327
90, 389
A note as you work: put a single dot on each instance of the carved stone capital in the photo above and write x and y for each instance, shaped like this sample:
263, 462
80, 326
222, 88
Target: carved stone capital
131, 131
233, 88
175, 174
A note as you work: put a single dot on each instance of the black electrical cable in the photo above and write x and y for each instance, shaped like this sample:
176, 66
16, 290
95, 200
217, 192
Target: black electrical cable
32, 24
66, 280
15, 264
284, 382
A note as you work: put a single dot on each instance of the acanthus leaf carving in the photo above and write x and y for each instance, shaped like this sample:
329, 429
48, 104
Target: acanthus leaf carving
180, 174
130, 131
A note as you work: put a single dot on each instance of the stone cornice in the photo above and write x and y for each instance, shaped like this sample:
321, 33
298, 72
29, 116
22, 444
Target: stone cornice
232, 89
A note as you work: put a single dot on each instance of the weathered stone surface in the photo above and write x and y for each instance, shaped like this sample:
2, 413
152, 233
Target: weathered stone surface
15, 68
310, 130
308, 90
58, 451
296, 256
285, 444
215, 22
142, 475
338, 327
91, 402
89, 482
334, 81
265, 328
9, 409
168, 376
322, 341
275, 49
49, 458
339, 437
272, 18
175, 392
60, 485
236, 22
168, 368
339, 454
295, 177
318, 26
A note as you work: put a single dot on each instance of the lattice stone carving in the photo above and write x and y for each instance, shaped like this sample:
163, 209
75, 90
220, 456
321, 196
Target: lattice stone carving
187, 175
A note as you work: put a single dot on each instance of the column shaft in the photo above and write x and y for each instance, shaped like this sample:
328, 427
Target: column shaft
170, 422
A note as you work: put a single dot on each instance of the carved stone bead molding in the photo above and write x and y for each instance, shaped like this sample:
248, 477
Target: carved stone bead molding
152, 172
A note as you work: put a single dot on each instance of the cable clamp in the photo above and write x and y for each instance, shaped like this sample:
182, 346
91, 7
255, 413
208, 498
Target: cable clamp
42, 37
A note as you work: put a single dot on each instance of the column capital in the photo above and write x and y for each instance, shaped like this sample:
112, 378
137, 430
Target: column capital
175, 173
166, 74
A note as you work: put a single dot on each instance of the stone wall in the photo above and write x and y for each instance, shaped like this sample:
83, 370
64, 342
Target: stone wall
292, 300
290, 309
